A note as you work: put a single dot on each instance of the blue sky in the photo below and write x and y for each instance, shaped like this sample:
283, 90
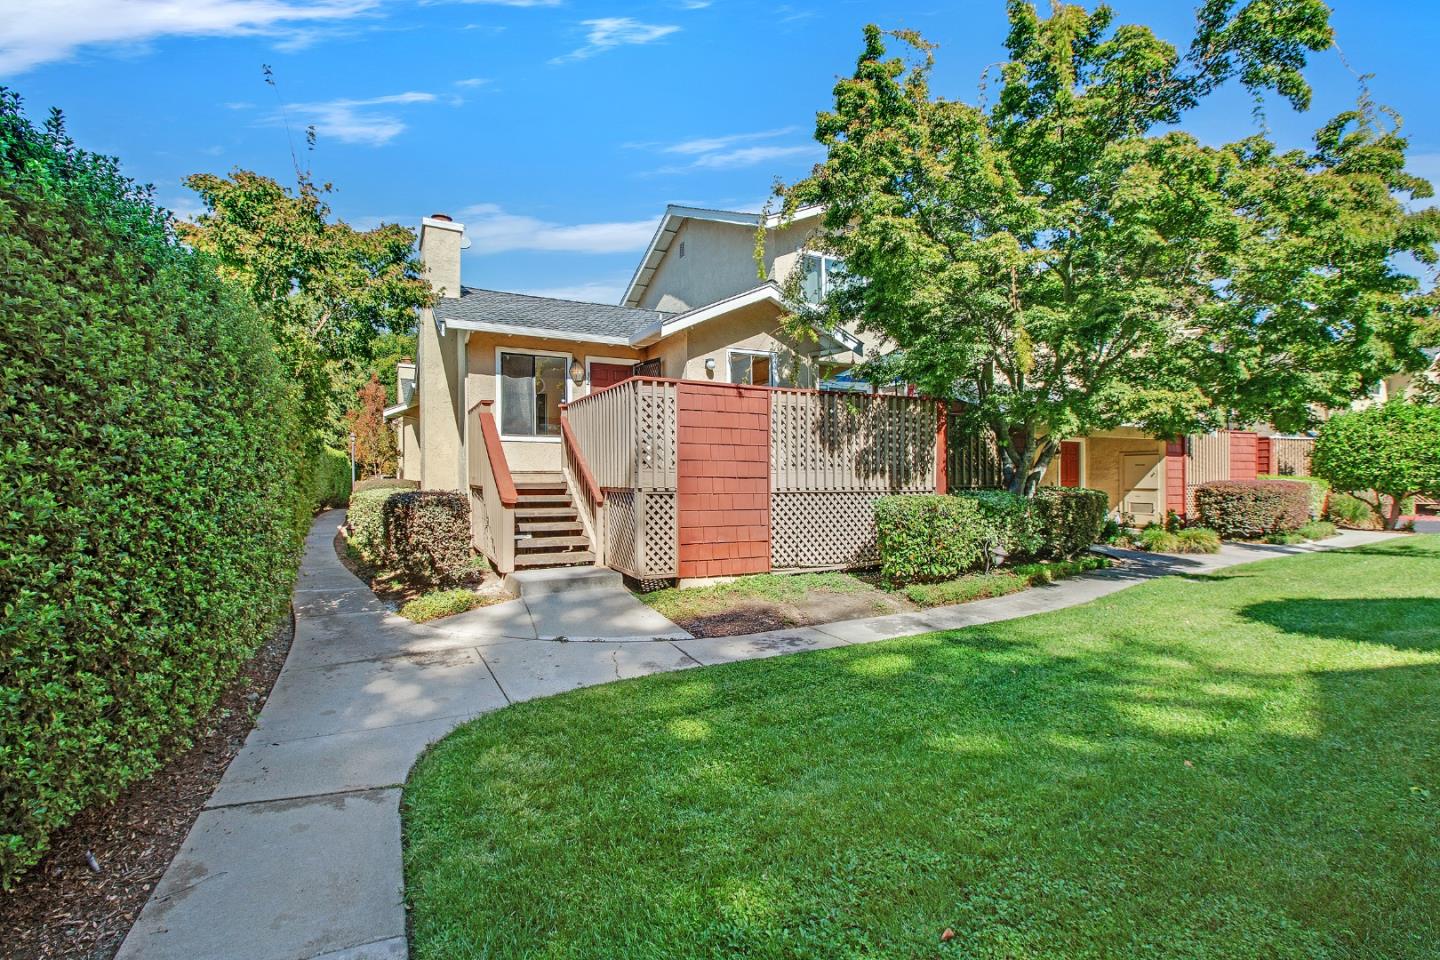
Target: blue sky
557, 130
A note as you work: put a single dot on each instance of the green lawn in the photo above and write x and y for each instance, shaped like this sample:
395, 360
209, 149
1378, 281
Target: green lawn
1243, 765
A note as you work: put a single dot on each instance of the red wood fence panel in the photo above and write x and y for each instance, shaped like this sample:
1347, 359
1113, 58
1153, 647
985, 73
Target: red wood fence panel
1264, 455
1243, 459
1175, 498
723, 479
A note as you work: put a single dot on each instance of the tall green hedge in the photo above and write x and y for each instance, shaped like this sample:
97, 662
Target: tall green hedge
154, 504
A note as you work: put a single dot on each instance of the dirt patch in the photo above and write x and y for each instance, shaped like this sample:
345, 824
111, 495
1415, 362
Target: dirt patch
62, 908
816, 607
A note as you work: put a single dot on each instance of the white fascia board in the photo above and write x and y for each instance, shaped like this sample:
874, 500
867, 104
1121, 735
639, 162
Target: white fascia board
539, 333
688, 319
398, 409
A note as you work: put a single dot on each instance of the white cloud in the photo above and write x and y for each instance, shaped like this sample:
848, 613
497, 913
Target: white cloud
607, 33
34, 33
356, 121
491, 230
711, 144
514, 3
750, 156
473, 82
594, 291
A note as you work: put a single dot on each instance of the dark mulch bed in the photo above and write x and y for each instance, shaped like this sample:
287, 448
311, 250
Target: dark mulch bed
62, 908
738, 622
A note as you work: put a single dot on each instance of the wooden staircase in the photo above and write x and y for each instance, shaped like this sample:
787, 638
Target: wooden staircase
548, 532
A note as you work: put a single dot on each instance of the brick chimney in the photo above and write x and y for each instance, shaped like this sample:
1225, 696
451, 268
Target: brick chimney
441, 240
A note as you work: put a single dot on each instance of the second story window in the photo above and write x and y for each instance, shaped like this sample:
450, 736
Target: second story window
819, 275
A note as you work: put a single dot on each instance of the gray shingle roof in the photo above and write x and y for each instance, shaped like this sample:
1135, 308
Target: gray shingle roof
545, 313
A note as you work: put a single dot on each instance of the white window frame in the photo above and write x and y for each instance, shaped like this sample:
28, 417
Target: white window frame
500, 391
768, 354
617, 361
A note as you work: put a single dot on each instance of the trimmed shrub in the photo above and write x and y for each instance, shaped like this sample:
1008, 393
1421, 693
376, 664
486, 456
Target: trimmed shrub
155, 492
1070, 520
930, 536
997, 583
385, 483
1017, 527
366, 522
331, 476
1252, 509
427, 535
1319, 491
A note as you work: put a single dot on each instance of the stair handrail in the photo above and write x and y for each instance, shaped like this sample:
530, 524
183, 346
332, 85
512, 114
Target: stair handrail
495, 453
577, 456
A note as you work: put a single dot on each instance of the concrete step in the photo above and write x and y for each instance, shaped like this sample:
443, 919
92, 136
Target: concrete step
539, 583
553, 558
545, 543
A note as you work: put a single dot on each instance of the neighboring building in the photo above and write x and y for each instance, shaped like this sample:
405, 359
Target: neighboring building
1403, 386
404, 419
733, 447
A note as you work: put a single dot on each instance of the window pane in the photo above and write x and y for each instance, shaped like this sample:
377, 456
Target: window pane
550, 373
740, 368
517, 394
760, 371
812, 279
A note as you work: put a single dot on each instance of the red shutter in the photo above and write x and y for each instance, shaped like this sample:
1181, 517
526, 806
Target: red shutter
1070, 463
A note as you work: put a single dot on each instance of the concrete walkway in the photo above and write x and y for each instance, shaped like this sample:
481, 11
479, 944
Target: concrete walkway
297, 854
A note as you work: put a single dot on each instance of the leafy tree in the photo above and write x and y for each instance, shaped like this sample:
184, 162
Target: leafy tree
1385, 454
326, 289
374, 441
1065, 261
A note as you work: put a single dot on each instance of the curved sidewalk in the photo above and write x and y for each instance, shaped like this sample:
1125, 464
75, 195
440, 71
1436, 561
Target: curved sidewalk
297, 854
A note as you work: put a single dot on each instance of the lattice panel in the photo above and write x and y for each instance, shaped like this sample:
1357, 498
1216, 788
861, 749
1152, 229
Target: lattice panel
852, 442
661, 558
620, 530
656, 435
824, 529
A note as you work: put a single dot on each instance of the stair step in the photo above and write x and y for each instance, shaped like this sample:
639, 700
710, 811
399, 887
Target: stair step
526, 513
542, 543
544, 499
557, 557
549, 526
530, 481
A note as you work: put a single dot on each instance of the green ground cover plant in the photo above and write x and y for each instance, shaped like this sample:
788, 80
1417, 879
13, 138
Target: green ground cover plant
1208, 767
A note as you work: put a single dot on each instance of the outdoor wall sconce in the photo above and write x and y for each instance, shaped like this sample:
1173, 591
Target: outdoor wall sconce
577, 372
710, 366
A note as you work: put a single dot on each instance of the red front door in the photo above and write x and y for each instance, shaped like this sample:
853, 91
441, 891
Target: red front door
604, 375
1070, 463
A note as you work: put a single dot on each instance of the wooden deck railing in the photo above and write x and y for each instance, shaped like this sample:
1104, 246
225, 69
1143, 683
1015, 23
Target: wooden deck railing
585, 492
492, 514
627, 435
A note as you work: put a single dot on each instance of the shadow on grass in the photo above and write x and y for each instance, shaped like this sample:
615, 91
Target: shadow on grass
1405, 623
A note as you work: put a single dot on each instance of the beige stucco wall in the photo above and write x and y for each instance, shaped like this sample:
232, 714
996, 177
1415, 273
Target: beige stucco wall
481, 384
407, 445
756, 327
719, 262
1102, 462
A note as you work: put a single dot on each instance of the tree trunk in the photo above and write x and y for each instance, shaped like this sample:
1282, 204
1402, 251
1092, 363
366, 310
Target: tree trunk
1393, 512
